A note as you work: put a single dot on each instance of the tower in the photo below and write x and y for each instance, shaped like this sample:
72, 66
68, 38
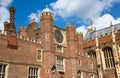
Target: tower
72, 51
46, 31
22, 31
31, 29
80, 43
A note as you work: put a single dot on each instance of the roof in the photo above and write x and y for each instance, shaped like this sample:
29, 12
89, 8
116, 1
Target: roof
46, 9
102, 32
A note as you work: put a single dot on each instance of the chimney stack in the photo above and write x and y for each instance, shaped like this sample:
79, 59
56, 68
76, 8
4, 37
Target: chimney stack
12, 36
12, 10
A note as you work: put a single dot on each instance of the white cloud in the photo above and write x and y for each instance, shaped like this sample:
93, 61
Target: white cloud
81, 8
4, 13
105, 20
100, 23
35, 16
82, 29
5, 3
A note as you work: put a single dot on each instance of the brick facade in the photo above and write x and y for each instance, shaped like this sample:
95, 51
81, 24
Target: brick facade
22, 52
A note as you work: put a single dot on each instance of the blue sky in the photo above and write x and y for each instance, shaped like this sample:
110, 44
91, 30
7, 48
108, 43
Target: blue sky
76, 12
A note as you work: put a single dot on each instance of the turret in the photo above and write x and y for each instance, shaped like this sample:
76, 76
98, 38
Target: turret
46, 19
31, 28
80, 43
22, 31
47, 42
71, 40
32, 25
72, 50
46, 28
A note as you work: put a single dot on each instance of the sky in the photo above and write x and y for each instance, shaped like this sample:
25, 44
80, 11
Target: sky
75, 12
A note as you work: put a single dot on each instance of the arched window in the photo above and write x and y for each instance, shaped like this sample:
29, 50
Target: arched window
108, 56
92, 54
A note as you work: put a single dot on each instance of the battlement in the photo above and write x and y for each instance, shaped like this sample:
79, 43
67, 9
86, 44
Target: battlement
22, 29
79, 33
20, 37
70, 25
71, 28
46, 14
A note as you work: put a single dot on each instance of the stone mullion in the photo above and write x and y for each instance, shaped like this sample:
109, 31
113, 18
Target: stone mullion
103, 59
100, 73
116, 59
99, 60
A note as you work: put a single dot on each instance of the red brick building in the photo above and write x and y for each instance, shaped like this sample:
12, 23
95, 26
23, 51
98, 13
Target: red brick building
53, 52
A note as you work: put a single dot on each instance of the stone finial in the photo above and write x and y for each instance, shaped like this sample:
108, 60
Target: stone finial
46, 6
90, 29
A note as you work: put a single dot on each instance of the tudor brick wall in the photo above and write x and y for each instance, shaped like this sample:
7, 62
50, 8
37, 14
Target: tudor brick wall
18, 60
74, 52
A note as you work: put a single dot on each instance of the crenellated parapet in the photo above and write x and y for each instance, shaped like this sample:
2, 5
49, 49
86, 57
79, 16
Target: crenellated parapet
32, 25
22, 31
80, 43
28, 39
71, 32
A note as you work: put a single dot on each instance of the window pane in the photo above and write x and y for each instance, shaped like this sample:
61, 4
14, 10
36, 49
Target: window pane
60, 65
108, 56
3, 76
4, 68
39, 55
33, 72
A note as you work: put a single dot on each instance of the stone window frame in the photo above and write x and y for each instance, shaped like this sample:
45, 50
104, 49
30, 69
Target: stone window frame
63, 64
5, 71
108, 57
34, 73
80, 75
39, 54
80, 62
59, 50
92, 54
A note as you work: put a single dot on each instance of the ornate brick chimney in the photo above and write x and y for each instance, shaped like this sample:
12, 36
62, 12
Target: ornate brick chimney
12, 26
12, 37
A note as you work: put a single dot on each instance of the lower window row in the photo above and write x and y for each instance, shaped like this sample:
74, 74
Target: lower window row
33, 71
